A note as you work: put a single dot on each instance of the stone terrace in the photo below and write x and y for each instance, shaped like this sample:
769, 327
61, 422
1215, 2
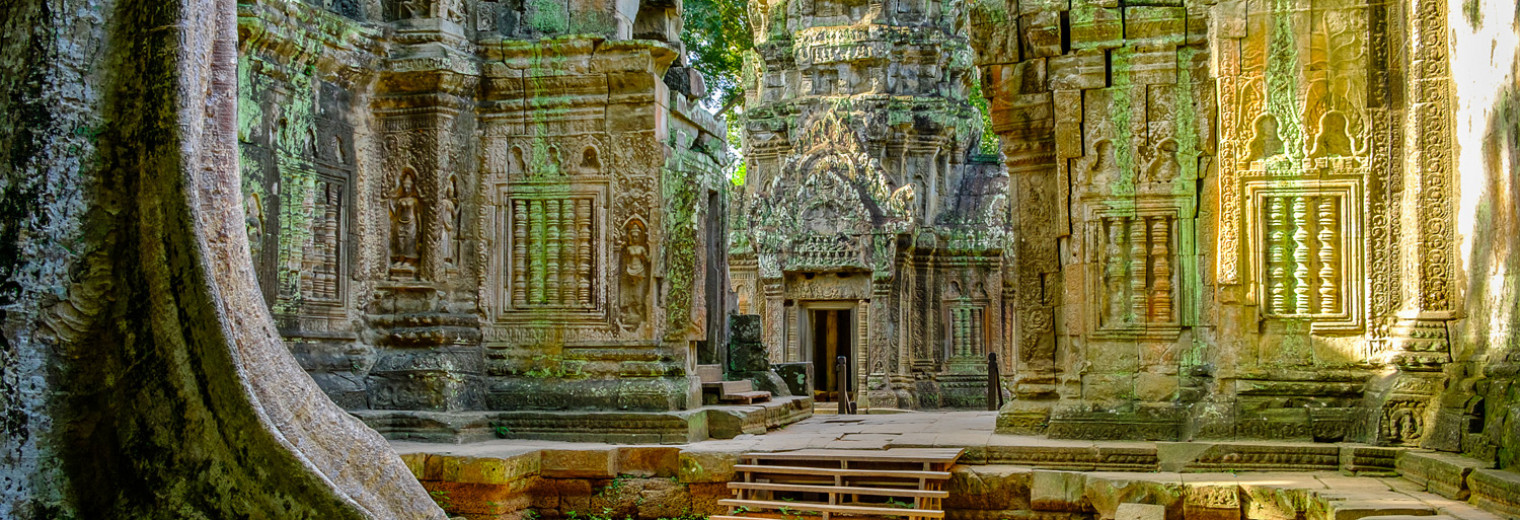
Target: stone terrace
1000, 476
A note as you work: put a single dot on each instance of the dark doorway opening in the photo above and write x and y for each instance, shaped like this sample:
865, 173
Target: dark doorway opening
832, 337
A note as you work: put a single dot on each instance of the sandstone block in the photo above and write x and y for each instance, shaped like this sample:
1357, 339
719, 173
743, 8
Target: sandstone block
707, 466
1132, 511
588, 463
1440, 473
649, 461
1058, 491
989, 488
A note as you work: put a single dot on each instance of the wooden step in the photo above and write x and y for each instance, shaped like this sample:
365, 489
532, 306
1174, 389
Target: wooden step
842, 490
770, 515
907, 455
836, 472
710, 373
832, 508
745, 397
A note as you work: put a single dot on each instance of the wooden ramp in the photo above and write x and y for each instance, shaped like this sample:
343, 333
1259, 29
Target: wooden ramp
906, 484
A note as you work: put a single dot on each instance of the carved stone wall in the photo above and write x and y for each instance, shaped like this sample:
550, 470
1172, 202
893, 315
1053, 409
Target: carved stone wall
861, 191
449, 216
1229, 216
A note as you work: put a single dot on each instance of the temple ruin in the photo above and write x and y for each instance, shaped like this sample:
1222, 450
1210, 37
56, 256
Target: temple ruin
1196, 260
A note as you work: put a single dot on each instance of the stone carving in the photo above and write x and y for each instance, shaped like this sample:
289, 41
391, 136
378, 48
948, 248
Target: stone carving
552, 262
320, 269
404, 214
633, 278
448, 210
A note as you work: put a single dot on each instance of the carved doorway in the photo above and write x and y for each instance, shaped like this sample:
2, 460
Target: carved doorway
830, 334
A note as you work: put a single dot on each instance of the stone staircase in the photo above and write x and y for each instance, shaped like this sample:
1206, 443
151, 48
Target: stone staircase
906, 483
730, 392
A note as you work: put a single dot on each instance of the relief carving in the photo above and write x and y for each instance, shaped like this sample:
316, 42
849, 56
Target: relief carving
404, 256
448, 209
633, 277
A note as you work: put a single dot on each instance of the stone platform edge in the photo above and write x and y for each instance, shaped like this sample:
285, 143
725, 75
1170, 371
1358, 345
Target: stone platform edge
612, 427
1269, 481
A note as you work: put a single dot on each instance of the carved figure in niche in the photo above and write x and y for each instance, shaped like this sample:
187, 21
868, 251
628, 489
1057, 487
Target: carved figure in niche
1265, 142
403, 212
414, 8
1164, 166
1334, 137
515, 163
254, 211
634, 276
449, 210
1402, 426
1104, 169
590, 164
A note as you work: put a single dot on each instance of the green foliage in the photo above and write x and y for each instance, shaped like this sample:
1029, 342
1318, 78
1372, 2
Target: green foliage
989, 143
736, 143
441, 497
717, 34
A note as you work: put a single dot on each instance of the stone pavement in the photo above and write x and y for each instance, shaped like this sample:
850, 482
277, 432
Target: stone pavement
1000, 476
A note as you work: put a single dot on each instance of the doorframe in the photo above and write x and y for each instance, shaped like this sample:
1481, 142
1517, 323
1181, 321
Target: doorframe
804, 328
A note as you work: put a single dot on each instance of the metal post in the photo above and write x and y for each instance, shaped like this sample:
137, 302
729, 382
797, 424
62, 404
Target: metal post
841, 367
994, 383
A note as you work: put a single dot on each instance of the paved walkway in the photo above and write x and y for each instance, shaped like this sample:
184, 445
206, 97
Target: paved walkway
947, 429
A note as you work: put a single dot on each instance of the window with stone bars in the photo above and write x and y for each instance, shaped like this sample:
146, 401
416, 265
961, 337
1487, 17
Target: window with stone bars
967, 335
1137, 270
552, 253
1301, 265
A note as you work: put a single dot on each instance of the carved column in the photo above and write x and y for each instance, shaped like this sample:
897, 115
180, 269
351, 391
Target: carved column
1419, 339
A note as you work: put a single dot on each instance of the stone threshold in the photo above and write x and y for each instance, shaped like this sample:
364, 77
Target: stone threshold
612, 427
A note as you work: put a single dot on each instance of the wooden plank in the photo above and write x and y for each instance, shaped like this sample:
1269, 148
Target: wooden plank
829, 472
848, 509
771, 515
854, 490
913, 455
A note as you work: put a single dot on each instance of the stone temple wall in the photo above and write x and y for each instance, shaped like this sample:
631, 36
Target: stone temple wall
461, 209
1245, 218
861, 196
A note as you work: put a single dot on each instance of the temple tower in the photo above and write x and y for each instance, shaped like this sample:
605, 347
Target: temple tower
869, 232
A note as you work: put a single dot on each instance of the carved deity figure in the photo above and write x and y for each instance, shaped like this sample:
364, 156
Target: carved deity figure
1265, 143
403, 211
634, 276
449, 210
1334, 138
1164, 166
1104, 170
414, 8
1402, 426
254, 210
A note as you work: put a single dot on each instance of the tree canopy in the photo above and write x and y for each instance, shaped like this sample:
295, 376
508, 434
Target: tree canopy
717, 34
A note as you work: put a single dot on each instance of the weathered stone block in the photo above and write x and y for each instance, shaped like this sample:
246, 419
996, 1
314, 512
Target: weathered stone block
1108, 492
1058, 491
583, 463
1130, 511
797, 376
648, 461
707, 466
1086, 69
989, 488
1444, 474
1210, 496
